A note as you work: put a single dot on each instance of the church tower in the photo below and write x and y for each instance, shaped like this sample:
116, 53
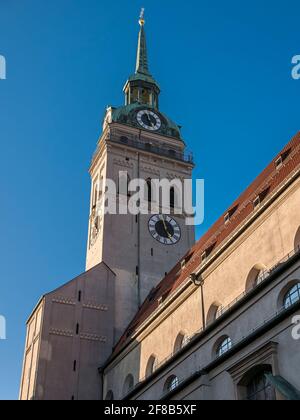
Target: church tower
139, 142
73, 329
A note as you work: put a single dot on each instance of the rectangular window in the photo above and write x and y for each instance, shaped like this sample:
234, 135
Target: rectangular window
279, 162
95, 192
135, 95
145, 96
256, 202
227, 218
79, 296
77, 329
74, 365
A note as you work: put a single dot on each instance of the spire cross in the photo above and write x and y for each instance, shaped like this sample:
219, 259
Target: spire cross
142, 58
142, 17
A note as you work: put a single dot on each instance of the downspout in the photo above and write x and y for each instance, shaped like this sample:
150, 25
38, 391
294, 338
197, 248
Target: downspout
199, 282
101, 374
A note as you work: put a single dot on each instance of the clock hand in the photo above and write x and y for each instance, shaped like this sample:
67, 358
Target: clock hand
165, 227
149, 120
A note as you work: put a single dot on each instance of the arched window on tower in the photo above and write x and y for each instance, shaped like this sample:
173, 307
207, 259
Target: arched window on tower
149, 192
95, 193
145, 96
172, 197
123, 187
135, 95
176, 196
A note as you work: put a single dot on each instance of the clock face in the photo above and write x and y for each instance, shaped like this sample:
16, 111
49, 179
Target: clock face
164, 229
149, 120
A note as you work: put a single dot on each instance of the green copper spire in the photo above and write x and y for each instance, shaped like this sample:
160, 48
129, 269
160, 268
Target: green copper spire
142, 55
141, 87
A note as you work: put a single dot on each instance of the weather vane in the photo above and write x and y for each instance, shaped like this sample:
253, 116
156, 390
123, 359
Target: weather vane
142, 17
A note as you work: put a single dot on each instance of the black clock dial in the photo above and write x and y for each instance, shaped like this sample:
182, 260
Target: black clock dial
149, 120
164, 229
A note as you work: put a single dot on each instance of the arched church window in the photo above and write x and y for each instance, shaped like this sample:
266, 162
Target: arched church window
292, 296
171, 383
258, 389
128, 385
181, 341
151, 366
254, 386
224, 346
109, 396
254, 276
213, 313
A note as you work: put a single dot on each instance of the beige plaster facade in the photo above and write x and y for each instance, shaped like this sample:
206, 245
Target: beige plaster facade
271, 235
68, 335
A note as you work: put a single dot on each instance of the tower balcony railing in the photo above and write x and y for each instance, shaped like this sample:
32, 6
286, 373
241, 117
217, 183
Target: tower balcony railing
146, 146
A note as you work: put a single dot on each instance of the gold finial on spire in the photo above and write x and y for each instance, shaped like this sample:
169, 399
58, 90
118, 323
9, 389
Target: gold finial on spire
142, 17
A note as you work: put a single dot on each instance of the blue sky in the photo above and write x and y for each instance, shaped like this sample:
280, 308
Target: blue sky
225, 72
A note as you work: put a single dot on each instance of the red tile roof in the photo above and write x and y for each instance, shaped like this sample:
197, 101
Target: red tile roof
264, 185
